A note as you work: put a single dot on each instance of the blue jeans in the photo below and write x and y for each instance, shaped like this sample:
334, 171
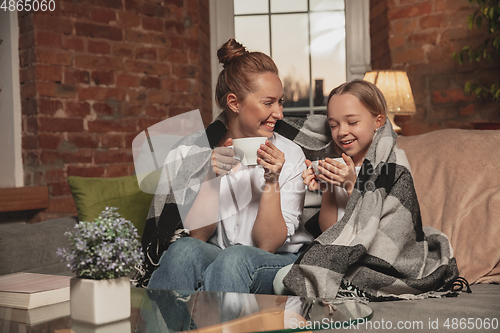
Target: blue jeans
191, 264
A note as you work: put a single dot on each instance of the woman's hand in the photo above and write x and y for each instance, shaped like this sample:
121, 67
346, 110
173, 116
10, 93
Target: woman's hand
336, 173
269, 230
310, 179
222, 160
271, 159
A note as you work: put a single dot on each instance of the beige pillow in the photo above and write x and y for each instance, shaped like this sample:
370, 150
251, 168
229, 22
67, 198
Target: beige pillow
457, 179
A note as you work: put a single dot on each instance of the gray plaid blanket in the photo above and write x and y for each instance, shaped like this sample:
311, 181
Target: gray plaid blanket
379, 246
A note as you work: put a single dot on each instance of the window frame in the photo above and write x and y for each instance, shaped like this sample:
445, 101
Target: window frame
11, 167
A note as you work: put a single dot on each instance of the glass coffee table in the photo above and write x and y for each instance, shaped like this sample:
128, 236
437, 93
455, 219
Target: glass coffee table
211, 312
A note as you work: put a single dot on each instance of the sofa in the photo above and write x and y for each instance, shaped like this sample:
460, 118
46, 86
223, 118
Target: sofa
458, 188
457, 182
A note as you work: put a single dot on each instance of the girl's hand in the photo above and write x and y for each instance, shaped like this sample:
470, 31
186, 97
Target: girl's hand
222, 160
310, 179
272, 160
336, 173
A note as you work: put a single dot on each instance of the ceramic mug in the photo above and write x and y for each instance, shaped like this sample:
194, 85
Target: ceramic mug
246, 149
315, 165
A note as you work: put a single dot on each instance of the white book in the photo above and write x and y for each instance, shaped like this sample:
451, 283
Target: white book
36, 315
31, 290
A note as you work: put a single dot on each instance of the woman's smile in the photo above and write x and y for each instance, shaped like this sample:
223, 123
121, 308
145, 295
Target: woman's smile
269, 125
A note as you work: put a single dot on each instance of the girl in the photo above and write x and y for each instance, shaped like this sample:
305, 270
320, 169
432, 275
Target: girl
244, 220
354, 113
373, 244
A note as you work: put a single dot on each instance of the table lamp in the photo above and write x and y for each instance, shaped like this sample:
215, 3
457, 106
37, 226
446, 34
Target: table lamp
397, 92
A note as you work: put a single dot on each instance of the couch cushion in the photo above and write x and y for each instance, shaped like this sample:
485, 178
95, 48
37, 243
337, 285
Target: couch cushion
93, 195
32, 247
457, 181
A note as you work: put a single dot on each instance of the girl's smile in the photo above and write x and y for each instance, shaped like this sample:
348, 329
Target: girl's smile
346, 143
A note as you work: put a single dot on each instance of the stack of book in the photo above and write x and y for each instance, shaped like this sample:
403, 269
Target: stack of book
33, 298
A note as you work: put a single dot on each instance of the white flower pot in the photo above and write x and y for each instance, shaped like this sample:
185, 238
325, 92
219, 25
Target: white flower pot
99, 301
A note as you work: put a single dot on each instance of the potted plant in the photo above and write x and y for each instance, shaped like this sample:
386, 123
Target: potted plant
102, 254
486, 16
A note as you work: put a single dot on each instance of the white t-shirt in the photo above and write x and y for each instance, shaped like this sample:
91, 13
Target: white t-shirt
240, 194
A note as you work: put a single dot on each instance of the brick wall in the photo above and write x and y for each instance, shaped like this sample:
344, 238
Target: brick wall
94, 74
419, 36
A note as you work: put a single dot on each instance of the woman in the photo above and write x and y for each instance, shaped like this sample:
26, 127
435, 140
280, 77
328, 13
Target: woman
244, 220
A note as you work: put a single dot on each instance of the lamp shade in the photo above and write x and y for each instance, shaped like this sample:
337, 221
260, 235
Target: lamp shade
396, 89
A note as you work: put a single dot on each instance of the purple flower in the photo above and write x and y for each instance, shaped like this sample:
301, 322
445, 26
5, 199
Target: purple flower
107, 248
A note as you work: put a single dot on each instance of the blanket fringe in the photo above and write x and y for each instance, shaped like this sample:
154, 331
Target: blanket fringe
348, 291
179, 233
460, 283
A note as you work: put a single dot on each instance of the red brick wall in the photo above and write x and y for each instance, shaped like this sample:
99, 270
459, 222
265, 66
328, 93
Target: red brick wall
419, 36
95, 73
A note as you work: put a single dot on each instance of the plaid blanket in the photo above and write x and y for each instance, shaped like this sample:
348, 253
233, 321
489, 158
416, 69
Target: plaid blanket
379, 246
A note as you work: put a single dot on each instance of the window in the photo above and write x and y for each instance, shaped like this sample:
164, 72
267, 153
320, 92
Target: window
317, 44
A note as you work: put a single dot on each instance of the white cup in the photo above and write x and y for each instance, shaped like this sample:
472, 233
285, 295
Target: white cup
315, 165
246, 149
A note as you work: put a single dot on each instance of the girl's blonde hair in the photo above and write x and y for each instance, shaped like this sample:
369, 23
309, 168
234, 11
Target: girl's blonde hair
367, 93
240, 69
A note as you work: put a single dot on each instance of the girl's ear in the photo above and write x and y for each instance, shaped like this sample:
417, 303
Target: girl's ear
379, 121
232, 103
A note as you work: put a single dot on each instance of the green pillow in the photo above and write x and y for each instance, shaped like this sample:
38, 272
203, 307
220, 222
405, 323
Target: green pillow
93, 195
